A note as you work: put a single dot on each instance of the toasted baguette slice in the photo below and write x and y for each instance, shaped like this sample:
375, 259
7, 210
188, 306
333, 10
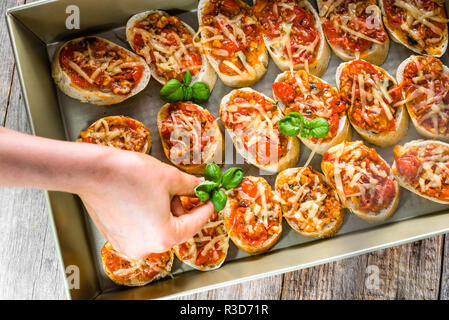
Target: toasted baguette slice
386, 138
401, 37
319, 213
257, 205
94, 95
344, 132
196, 162
354, 151
134, 273
432, 134
247, 78
376, 54
206, 73
282, 60
208, 249
411, 170
290, 159
119, 132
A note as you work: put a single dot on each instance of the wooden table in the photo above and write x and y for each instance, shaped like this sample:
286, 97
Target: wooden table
29, 267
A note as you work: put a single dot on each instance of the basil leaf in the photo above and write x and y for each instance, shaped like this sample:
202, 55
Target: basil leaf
289, 126
206, 186
219, 199
296, 115
312, 86
305, 133
213, 173
187, 79
172, 91
232, 178
318, 122
202, 195
319, 128
187, 93
201, 92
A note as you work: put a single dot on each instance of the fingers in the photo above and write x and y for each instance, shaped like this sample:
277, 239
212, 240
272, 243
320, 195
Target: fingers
182, 183
186, 226
176, 207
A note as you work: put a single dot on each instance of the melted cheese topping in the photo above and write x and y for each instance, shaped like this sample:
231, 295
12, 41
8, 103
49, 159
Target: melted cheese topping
358, 173
308, 202
119, 132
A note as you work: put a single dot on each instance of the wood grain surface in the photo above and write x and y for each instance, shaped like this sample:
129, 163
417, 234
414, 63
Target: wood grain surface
29, 267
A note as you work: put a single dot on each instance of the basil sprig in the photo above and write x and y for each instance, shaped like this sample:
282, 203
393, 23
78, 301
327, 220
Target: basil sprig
294, 124
211, 188
174, 90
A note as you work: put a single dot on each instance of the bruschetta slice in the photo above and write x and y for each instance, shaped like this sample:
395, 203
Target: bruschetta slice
98, 71
376, 110
253, 217
190, 136
232, 41
310, 205
251, 119
293, 35
119, 132
423, 168
168, 46
312, 97
133, 273
419, 25
354, 29
363, 180
208, 249
425, 83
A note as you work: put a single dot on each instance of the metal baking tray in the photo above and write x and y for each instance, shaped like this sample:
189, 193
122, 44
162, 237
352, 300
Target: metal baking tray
35, 38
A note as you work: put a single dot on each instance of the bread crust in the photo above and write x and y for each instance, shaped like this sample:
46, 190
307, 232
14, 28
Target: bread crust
381, 139
237, 239
206, 74
146, 149
94, 96
397, 34
377, 216
344, 132
132, 281
328, 230
375, 55
237, 81
404, 183
421, 129
293, 146
192, 168
319, 66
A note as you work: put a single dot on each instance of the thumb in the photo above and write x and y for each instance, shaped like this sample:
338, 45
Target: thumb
186, 226
183, 184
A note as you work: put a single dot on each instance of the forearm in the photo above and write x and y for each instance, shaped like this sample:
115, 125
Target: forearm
28, 161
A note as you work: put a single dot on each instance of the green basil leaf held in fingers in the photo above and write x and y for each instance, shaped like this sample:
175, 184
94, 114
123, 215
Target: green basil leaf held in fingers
212, 173
319, 128
232, 178
187, 79
219, 199
200, 92
172, 91
202, 195
206, 186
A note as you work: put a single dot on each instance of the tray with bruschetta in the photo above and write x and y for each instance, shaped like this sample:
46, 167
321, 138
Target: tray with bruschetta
311, 100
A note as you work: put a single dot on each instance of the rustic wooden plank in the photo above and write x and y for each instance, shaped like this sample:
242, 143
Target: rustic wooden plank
409, 271
269, 288
444, 284
7, 65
